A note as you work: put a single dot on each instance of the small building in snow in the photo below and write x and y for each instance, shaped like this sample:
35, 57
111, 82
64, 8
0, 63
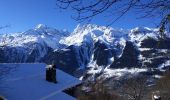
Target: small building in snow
28, 82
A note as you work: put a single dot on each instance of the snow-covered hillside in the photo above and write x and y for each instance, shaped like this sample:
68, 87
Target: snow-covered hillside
92, 48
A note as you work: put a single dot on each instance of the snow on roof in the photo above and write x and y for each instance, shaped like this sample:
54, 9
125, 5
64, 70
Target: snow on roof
27, 82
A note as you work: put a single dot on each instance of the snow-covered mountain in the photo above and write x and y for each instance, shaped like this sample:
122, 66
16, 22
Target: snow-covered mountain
92, 48
31, 45
40, 34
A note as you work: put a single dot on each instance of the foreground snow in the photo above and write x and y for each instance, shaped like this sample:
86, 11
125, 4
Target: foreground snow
27, 82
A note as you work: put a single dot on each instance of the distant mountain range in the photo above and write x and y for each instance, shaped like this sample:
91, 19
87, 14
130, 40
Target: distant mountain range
90, 48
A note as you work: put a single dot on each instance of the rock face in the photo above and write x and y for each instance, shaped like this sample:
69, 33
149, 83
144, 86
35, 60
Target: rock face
157, 53
157, 44
129, 57
102, 54
32, 53
87, 47
65, 60
71, 58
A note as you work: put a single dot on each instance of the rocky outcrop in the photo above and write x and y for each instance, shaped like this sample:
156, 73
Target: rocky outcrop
129, 57
102, 53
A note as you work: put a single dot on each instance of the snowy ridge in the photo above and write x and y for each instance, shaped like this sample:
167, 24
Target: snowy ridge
86, 33
138, 34
92, 33
40, 34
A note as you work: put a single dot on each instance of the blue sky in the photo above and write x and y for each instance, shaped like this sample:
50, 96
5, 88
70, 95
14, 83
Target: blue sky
26, 14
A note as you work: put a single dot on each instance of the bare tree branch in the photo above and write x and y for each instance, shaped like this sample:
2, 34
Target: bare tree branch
87, 9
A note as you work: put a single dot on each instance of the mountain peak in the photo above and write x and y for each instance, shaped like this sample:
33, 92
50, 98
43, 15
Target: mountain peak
142, 30
40, 26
